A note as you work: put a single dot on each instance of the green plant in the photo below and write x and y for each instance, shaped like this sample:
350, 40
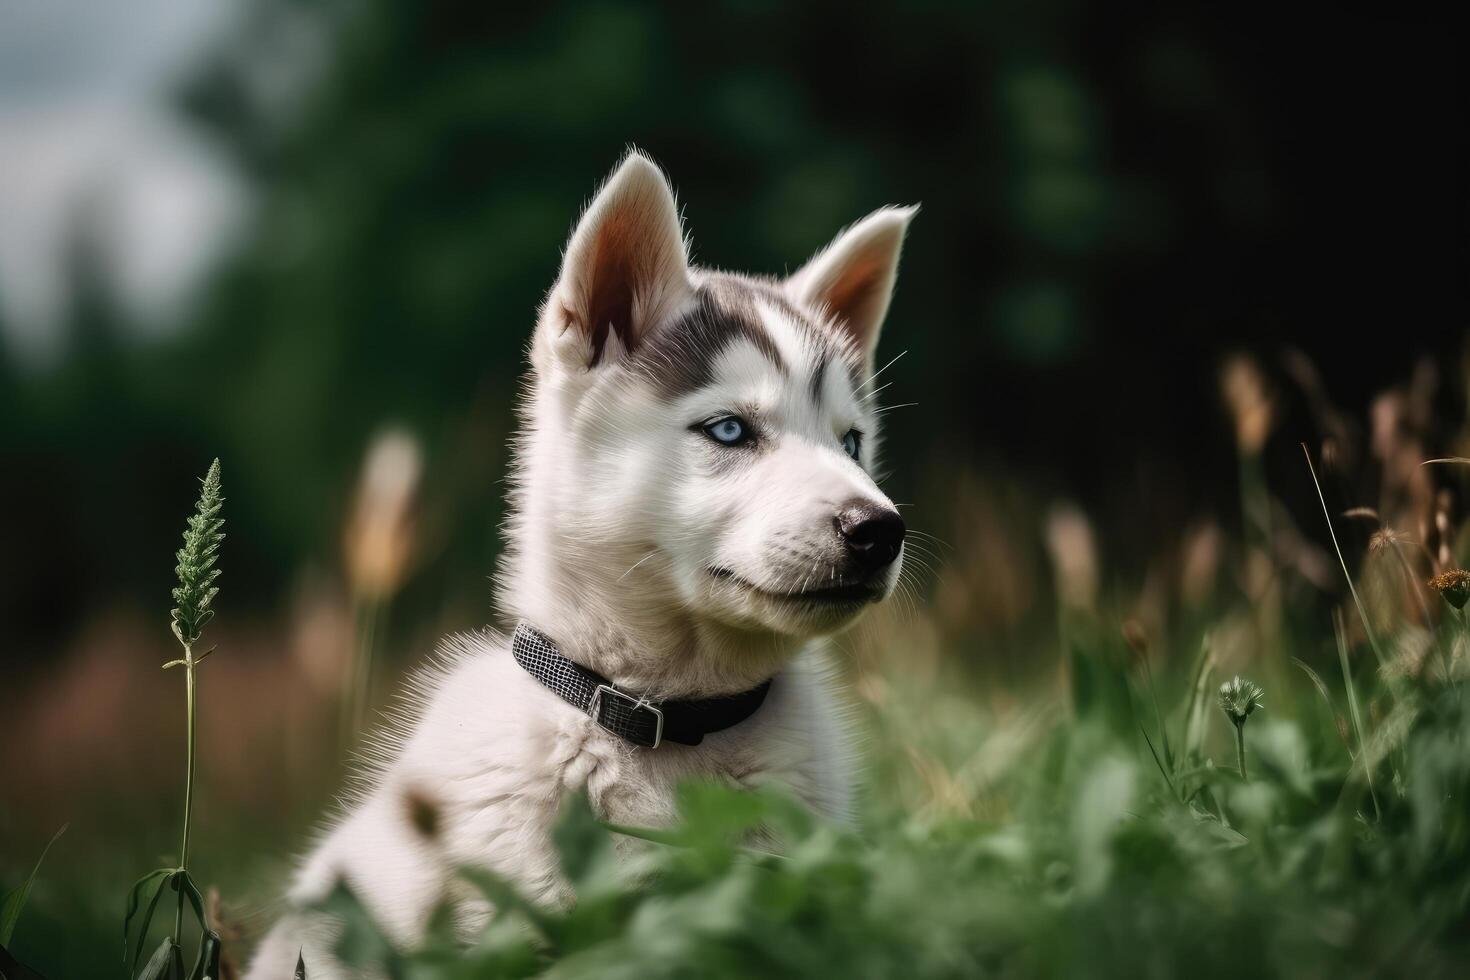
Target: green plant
1098, 871
197, 571
1239, 699
15, 899
11, 905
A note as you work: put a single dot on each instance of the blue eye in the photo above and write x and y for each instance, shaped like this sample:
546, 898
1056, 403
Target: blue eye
853, 443
728, 431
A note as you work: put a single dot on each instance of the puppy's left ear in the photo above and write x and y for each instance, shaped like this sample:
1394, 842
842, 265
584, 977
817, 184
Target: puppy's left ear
852, 278
625, 267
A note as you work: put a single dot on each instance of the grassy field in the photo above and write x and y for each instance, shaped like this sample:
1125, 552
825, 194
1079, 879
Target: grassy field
1099, 827
1078, 807
1106, 833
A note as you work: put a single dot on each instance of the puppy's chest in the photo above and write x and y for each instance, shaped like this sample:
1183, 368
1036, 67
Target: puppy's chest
640, 788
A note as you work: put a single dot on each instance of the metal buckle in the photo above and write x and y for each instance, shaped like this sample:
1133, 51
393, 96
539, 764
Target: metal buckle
594, 708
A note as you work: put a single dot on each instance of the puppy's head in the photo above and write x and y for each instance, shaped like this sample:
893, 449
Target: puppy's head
718, 433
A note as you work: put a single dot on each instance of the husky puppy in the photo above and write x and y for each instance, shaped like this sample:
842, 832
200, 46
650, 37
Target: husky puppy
694, 504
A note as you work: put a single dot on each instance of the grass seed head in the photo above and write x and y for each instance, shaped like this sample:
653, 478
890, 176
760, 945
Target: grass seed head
1385, 538
1248, 397
381, 535
196, 569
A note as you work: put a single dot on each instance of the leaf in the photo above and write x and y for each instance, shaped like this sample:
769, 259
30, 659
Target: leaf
11, 906
719, 813
207, 966
578, 836
191, 891
1352, 698
668, 838
503, 897
361, 942
13, 969
134, 897
1194, 709
147, 917
167, 961
1316, 679
1321, 687
1157, 761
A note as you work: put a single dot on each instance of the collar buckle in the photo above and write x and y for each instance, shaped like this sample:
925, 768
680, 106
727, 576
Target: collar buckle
616, 710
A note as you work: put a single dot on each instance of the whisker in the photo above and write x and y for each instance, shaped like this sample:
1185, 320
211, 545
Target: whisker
874, 376
926, 536
877, 391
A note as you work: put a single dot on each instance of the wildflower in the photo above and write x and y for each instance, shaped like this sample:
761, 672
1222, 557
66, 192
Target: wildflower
1239, 699
1454, 585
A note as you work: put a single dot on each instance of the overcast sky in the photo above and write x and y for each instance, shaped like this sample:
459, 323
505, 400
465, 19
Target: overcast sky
84, 86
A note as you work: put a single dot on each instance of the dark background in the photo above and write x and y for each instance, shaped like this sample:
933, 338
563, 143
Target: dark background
1113, 198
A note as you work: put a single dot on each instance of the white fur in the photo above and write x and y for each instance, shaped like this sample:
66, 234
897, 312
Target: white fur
619, 516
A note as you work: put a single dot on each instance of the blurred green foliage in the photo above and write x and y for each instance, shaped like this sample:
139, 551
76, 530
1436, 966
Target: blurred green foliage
1103, 214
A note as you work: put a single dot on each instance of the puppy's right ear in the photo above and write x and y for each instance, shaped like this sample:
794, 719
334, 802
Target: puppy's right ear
625, 268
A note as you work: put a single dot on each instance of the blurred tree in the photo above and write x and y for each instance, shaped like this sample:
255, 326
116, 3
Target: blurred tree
1112, 198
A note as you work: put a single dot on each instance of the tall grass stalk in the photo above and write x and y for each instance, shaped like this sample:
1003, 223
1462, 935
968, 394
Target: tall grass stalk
197, 571
1357, 601
378, 545
358, 688
1340, 631
188, 786
1464, 629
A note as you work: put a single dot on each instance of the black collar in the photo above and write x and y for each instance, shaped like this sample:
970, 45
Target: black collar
639, 720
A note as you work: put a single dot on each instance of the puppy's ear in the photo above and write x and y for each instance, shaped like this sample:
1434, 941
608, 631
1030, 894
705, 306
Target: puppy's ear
624, 269
852, 278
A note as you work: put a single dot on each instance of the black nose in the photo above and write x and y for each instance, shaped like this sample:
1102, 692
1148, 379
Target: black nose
873, 534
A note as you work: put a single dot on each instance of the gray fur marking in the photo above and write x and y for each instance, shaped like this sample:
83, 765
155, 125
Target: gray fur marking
679, 357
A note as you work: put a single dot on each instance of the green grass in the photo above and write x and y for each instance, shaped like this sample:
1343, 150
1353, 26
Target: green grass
1095, 826
1091, 818
1096, 839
